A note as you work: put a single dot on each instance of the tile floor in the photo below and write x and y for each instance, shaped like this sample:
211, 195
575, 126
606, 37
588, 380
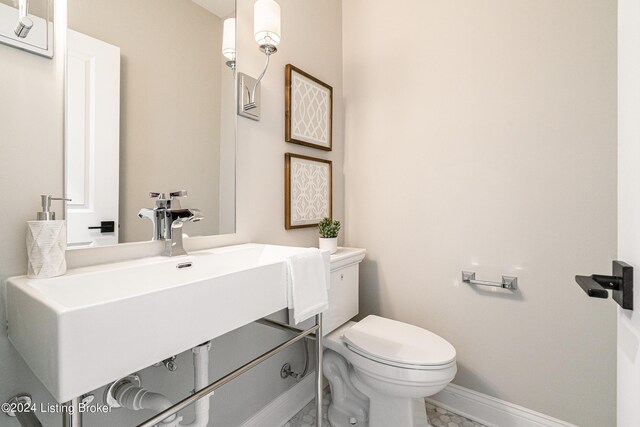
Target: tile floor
438, 417
307, 416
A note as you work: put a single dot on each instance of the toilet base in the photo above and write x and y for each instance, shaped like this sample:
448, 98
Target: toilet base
385, 410
356, 404
348, 407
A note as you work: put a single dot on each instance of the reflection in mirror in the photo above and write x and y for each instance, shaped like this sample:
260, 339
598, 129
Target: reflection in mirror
149, 108
27, 25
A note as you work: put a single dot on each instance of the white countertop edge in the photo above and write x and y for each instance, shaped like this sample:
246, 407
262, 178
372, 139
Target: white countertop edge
345, 257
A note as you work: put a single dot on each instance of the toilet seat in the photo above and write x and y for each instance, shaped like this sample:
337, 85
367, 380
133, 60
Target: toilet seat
399, 344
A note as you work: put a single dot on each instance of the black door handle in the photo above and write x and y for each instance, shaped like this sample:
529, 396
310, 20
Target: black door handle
621, 283
591, 287
105, 227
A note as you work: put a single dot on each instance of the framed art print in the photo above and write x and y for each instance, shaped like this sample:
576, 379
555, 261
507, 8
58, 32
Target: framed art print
308, 109
307, 191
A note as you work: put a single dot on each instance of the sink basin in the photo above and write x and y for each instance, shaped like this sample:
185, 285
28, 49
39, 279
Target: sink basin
97, 324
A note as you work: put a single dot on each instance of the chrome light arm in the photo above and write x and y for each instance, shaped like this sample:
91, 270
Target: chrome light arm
267, 50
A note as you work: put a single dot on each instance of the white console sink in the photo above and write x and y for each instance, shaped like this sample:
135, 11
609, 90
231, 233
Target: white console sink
97, 324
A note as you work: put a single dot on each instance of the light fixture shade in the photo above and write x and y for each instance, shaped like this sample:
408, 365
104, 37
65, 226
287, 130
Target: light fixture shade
266, 22
229, 39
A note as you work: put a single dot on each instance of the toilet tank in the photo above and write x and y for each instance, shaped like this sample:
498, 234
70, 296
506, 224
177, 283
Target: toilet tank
343, 293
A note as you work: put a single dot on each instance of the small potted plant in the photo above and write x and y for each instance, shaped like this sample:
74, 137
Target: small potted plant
329, 229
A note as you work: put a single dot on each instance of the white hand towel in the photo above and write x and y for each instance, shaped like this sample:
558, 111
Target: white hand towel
308, 280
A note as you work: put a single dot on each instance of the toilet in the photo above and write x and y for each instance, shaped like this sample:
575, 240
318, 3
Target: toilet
380, 370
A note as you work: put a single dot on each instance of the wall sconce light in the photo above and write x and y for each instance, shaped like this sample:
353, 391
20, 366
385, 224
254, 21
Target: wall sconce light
266, 30
229, 42
24, 22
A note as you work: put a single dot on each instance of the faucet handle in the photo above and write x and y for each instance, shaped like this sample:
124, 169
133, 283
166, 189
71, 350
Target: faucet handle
154, 195
181, 193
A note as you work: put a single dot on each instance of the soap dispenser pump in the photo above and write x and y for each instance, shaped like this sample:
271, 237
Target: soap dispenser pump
46, 214
46, 242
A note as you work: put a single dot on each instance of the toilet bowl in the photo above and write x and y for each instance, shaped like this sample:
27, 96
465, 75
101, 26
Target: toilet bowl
380, 370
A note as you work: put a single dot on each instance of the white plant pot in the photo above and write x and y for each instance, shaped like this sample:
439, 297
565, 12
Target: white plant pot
328, 244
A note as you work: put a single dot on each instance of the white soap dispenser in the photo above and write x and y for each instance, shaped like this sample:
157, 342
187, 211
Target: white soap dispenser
46, 243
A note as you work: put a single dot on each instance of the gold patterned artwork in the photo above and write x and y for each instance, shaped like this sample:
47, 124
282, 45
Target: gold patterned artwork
307, 190
308, 109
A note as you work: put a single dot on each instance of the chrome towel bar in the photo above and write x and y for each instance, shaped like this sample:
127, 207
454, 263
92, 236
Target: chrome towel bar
508, 282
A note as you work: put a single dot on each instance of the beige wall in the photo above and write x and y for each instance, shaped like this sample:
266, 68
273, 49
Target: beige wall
31, 164
501, 118
482, 136
170, 102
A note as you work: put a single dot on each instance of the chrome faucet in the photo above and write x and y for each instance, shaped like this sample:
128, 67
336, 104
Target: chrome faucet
168, 217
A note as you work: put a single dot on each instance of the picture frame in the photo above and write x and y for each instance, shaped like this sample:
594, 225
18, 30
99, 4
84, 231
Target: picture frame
308, 110
308, 191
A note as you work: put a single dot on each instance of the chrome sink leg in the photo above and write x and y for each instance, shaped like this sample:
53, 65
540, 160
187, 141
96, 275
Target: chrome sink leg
319, 353
71, 416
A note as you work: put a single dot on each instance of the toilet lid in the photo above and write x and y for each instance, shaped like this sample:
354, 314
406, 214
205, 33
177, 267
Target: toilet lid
399, 343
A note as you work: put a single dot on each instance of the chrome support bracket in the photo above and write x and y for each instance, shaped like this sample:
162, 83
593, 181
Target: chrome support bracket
319, 355
22, 408
19, 400
208, 390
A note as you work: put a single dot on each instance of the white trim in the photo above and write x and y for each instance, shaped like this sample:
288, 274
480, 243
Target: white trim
470, 404
490, 411
285, 406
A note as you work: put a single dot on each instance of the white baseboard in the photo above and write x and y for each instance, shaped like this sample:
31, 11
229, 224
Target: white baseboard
490, 411
285, 406
470, 404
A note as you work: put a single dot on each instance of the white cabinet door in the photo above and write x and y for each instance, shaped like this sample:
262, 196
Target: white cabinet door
92, 139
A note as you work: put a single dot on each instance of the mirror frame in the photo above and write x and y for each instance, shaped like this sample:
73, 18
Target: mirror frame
62, 10
51, 33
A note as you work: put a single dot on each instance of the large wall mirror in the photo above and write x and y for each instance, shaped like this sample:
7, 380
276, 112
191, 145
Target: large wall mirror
150, 107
